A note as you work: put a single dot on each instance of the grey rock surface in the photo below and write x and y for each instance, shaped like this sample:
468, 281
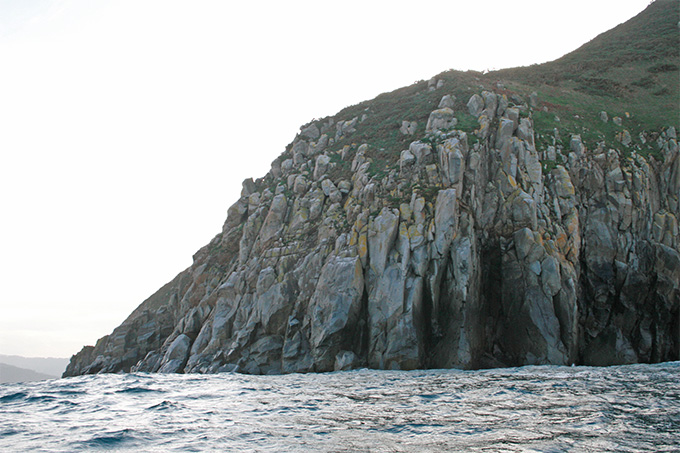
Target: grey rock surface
466, 250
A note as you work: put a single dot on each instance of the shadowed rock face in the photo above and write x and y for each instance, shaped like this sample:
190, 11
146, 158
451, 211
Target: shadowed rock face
467, 251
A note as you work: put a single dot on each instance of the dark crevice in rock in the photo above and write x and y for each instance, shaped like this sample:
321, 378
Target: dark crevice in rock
491, 309
428, 340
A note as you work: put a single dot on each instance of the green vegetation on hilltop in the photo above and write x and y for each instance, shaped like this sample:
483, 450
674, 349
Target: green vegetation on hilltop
631, 72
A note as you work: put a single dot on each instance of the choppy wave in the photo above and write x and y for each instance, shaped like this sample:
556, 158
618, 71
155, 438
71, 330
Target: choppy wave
547, 409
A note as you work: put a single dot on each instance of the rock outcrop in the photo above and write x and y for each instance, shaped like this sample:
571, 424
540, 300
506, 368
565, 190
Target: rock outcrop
466, 255
466, 249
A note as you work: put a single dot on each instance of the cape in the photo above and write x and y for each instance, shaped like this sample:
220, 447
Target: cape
523, 216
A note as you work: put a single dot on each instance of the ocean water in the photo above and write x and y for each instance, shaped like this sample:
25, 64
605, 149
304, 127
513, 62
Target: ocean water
543, 409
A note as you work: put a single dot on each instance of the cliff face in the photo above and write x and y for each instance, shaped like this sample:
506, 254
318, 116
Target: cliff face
463, 222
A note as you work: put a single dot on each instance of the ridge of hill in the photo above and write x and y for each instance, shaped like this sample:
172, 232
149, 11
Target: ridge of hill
11, 374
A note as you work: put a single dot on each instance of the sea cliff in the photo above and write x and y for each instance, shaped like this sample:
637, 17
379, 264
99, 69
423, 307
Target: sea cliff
470, 221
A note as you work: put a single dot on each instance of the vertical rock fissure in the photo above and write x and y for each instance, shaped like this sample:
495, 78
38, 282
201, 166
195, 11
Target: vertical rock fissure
363, 331
424, 325
490, 298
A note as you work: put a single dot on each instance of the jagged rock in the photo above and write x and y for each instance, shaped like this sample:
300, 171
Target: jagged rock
274, 221
525, 131
421, 151
533, 100
445, 220
475, 105
344, 186
359, 158
625, 138
452, 160
505, 247
331, 191
484, 127
382, 232
345, 360
576, 145
321, 166
406, 159
334, 308
176, 356
490, 104
343, 128
408, 127
434, 84
441, 119
447, 101
311, 131
505, 130
512, 113
550, 276
300, 185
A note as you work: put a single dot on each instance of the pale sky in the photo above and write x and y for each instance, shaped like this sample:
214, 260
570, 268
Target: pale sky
127, 126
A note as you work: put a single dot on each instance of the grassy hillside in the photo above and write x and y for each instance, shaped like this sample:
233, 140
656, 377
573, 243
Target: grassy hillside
631, 72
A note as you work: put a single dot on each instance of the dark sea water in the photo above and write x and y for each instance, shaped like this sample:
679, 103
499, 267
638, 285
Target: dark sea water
546, 409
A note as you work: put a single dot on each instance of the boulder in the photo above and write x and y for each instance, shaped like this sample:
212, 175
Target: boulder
176, 356
475, 105
441, 119
408, 127
447, 101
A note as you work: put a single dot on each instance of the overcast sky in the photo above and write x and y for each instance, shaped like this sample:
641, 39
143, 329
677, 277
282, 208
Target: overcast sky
127, 126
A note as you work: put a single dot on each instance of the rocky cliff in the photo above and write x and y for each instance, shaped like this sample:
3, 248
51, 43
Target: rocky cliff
474, 220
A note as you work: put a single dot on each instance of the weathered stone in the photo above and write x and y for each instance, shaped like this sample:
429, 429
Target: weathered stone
625, 138
274, 220
447, 101
512, 114
406, 159
344, 186
311, 131
445, 220
345, 360
524, 241
490, 104
382, 231
563, 184
408, 127
475, 105
247, 187
321, 166
441, 119
451, 161
525, 131
533, 100
505, 130
176, 355
300, 185
550, 276
335, 308
576, 145
421, 151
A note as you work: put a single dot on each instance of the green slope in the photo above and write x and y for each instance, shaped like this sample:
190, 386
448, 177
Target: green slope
630, 72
